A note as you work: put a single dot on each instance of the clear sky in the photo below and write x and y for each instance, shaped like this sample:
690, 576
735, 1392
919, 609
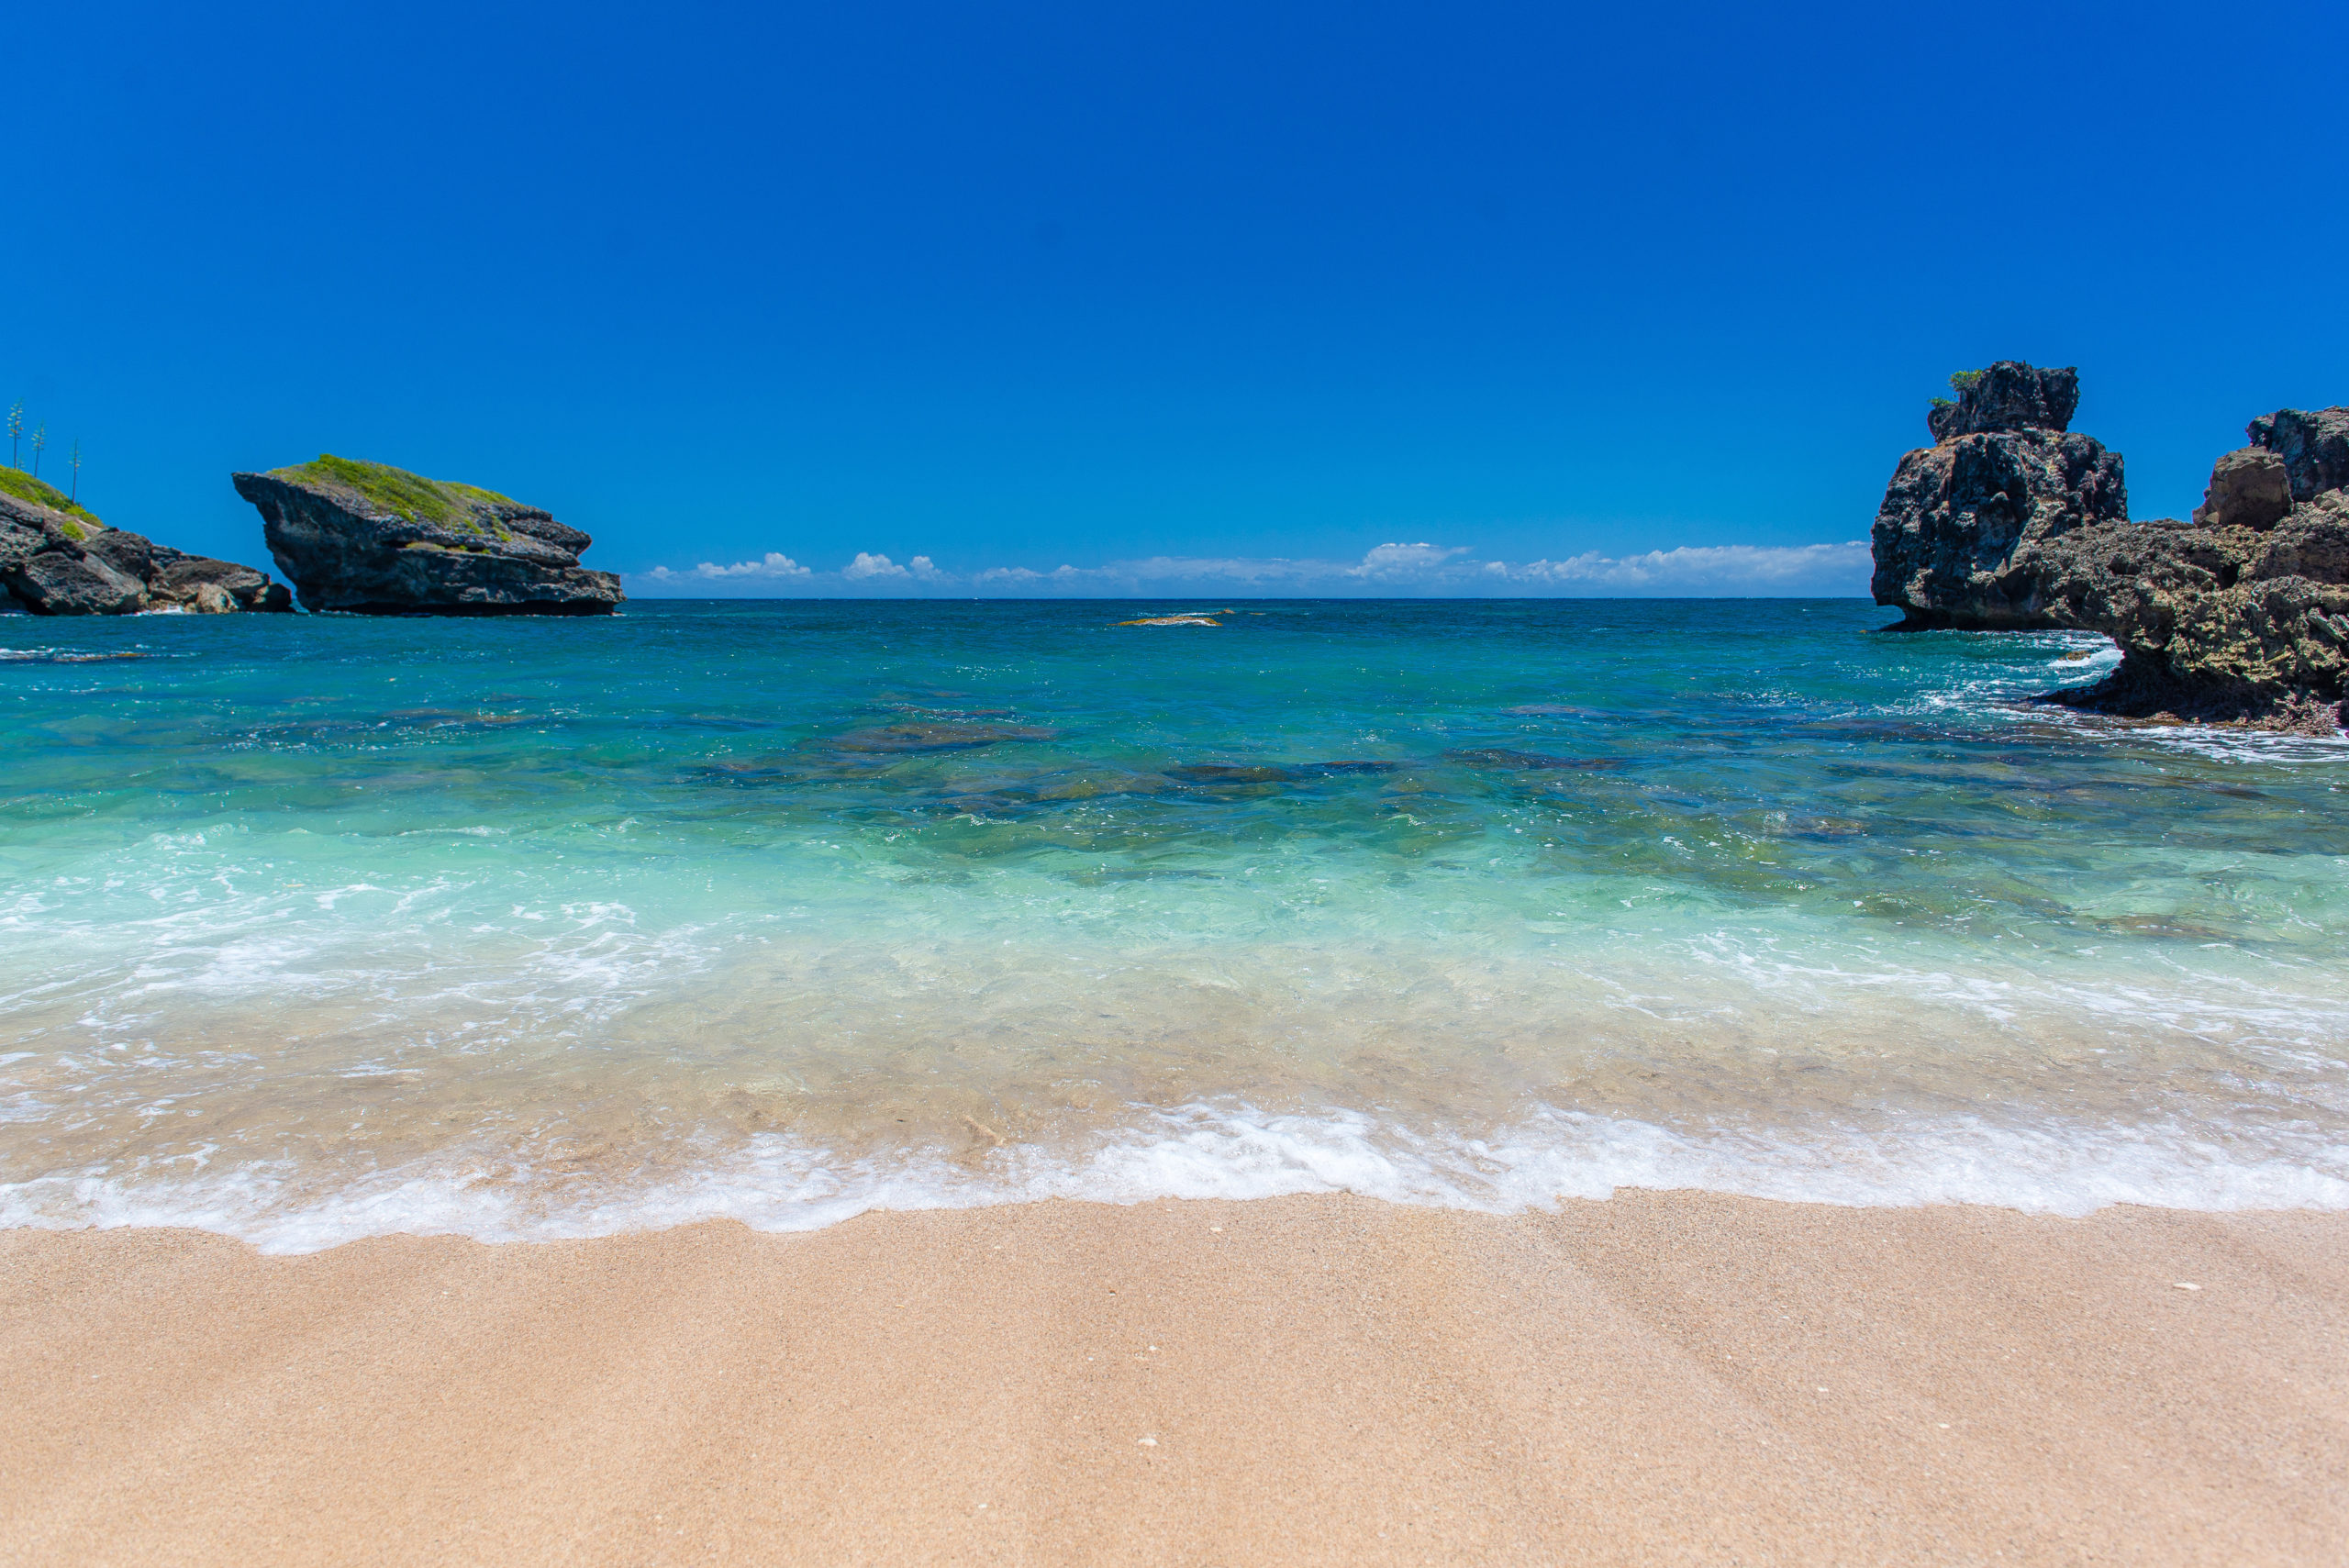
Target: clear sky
1196, 296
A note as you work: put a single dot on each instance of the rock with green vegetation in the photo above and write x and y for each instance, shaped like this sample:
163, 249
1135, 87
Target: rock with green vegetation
2009, 396
58, 558
2004, 473
16, 484
369, 539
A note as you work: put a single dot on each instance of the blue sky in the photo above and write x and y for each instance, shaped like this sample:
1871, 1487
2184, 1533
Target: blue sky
1224, 298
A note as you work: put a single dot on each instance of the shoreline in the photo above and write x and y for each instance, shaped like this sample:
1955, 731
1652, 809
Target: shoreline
1286, 1379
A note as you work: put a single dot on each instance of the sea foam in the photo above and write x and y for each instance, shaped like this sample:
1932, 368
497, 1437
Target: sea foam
1236, 1152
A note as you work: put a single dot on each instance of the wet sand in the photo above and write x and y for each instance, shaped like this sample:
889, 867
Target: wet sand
1661, 1377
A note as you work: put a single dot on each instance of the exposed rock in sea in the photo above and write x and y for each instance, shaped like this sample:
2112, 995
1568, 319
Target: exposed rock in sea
59, 559
2227, 620
2004, 473
2239, 615
372, 540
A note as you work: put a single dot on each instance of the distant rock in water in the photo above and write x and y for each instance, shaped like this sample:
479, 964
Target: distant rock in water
59, 559
372, 540
2004, 471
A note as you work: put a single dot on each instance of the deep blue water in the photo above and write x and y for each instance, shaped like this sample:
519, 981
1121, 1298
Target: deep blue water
316, 926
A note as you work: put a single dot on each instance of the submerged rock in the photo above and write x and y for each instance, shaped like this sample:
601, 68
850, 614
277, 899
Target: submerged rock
372, 540
935, 737
1228, 774
58, 558
2004, 471
1501, 757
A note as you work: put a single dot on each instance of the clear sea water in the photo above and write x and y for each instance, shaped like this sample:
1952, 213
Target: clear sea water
314, 927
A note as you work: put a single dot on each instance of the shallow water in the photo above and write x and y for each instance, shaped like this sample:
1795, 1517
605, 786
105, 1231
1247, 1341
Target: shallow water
320, 927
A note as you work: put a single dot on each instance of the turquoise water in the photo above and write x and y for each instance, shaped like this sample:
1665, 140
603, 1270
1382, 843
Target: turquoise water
320, 927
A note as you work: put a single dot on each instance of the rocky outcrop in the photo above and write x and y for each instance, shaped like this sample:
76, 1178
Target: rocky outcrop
2249, 489
371, 539
2009, 395
2009, 521
2243, 617
59, 563
2313, 448
2004, 473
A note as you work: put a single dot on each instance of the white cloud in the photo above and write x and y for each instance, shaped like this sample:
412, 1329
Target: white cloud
1422, 568
773, 564
1716, 567
1398, 562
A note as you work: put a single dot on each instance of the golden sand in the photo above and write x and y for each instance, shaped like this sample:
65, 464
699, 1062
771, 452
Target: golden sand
1661, 1377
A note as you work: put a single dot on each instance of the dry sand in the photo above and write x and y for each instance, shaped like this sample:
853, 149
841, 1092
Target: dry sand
1663, 1377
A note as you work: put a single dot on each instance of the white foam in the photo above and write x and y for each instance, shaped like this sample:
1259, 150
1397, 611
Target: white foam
1235, 1152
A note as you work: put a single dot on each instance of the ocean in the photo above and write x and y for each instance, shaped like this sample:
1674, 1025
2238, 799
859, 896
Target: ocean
315, 927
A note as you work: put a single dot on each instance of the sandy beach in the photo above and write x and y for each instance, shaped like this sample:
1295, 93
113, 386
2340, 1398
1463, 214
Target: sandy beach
1661, 1377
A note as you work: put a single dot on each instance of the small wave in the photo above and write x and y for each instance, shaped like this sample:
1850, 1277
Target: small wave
62, 656
1234, 1152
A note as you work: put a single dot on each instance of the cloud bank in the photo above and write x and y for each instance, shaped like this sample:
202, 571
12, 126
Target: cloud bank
1388, 571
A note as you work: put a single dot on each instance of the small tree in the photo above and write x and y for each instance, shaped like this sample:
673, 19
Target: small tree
74, 462
40, 442
15, 429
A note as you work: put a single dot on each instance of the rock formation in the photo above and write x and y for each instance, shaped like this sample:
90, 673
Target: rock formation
2248, 489
369, 539
2004, 473
2242, 615
58, 558
2008, 523
2313, 448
